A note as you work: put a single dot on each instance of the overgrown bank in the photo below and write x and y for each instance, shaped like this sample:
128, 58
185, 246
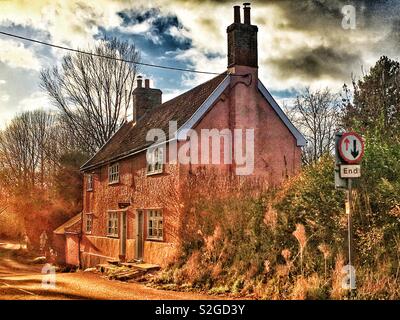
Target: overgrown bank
291, 243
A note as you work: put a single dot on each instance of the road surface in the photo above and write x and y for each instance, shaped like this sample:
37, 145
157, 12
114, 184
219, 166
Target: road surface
20, 280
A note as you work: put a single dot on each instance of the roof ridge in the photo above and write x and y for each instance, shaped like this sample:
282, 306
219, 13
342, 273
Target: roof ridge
129, 138
196, 87
170, 100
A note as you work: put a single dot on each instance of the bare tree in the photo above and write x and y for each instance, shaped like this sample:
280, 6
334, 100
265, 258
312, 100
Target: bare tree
93, 93
316, 114
40, 180
25, 146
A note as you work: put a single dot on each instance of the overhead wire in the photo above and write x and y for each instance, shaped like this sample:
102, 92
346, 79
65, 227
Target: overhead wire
106, 57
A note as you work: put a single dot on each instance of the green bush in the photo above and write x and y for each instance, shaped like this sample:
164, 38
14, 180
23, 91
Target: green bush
283, 243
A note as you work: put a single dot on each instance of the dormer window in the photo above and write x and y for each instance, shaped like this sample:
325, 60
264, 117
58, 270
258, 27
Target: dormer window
113, 173
89, 182
155, 160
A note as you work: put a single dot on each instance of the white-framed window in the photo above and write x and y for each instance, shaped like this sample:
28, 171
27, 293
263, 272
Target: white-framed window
89, 222
155, 160
89, 182
113, 173
112, 224
155, 227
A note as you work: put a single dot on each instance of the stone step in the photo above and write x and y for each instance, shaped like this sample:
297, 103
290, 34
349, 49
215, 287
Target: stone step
141, 266
124, 276
103, 268
125, 271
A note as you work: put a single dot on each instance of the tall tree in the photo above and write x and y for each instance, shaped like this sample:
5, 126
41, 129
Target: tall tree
40, 181
25, 146
376, 104
316, 114
93, 93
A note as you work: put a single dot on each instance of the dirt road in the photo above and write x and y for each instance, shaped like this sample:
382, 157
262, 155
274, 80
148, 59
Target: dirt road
20, 280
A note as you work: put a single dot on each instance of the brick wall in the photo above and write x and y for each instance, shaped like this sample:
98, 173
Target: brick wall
143, 192
277, 155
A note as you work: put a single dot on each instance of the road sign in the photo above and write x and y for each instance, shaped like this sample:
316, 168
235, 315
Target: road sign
351, 147
349, 150
350, 171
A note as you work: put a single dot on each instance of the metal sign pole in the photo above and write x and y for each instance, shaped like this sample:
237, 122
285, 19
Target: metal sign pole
349, 150
349, 225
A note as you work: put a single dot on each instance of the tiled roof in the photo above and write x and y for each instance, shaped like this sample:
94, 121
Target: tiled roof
131, 137
72, 225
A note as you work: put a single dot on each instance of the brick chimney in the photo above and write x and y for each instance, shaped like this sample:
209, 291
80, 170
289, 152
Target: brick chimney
144, 98
242, 40
244, 106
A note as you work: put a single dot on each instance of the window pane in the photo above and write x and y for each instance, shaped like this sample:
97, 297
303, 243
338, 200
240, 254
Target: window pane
88, 223
155, 224
112, 225
160, 155
113, 173
155, 160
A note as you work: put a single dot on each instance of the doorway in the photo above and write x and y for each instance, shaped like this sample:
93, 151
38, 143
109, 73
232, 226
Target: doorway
123, 235
139, 234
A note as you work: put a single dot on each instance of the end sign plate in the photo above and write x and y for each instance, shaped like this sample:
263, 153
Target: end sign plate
350, 171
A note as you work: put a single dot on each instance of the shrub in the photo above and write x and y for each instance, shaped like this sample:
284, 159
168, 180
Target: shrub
291, 243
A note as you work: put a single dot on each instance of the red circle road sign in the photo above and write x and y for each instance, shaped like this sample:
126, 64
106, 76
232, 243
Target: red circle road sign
351, 147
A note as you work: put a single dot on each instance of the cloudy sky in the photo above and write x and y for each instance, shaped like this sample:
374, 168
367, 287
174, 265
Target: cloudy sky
301, 43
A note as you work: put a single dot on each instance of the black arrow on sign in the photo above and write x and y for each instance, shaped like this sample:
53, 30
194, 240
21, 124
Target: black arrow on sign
354, 152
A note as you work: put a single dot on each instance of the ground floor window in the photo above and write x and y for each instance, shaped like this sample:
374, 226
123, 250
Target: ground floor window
89, 222
112, 224
154, 225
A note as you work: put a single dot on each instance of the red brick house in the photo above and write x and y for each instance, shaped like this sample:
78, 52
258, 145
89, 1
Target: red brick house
129, 210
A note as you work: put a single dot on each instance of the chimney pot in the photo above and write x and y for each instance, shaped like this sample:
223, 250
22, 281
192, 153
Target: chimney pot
242, 41
246, 9
236, 11
139, 82
147, 83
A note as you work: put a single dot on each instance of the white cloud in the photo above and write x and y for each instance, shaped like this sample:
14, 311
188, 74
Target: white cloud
36, 100
136, 28
16, 55
170, 94
73, 22
202, 63
4, 97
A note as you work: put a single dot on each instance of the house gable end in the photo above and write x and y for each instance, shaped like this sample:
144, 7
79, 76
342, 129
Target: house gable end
203, 109
301, 141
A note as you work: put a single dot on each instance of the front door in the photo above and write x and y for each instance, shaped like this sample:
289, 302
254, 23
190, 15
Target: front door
122, 249
139, 234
